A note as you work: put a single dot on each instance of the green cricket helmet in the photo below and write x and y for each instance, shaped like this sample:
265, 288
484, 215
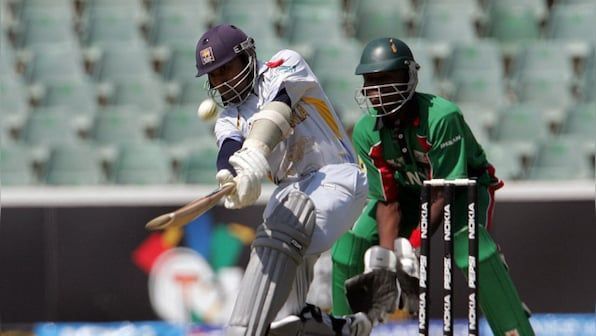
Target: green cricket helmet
387, 54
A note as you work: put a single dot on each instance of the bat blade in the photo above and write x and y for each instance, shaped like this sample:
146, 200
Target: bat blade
190, 211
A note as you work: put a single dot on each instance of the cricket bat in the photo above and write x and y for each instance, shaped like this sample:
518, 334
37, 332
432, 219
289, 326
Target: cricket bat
191, 210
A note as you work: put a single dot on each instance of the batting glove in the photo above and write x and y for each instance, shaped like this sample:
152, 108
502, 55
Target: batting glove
231, 200
251, 166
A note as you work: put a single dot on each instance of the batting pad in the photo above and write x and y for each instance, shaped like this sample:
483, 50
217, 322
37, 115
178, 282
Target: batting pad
276, 253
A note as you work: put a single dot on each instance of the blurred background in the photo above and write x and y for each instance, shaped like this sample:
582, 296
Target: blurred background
99, 133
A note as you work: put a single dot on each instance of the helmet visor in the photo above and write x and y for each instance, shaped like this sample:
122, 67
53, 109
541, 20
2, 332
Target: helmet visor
385, 99
237, 89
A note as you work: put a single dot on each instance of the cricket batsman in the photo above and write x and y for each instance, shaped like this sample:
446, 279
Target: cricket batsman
277, 122
404, 138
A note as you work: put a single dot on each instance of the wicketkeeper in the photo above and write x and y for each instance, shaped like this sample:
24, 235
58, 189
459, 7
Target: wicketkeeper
404, 138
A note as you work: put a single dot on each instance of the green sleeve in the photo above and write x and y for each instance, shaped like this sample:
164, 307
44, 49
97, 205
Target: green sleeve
381, 181
448, 155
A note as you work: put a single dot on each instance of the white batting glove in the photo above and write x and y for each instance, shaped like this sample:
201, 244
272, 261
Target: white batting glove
251, 166
231, 200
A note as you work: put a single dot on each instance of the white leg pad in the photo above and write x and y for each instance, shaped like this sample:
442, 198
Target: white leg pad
277, 252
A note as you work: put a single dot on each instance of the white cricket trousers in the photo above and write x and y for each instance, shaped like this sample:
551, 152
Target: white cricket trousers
339, 193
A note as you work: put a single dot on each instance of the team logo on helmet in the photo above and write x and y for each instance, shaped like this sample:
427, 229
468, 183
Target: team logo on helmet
393, 47
207, 55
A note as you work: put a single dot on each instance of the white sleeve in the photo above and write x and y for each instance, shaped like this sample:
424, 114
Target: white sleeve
290, 71
225, 127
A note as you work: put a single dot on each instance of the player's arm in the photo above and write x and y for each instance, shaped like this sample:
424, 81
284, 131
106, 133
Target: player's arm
382, 186
388, 220
270, 126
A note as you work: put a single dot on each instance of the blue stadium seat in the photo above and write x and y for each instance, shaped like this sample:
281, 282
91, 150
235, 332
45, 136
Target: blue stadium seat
335, 58
199, 166
314, 22
49, 24
522, 122
142, 164
181, 125
481, 58
111, 24
179, 22
192, 93
56, 63
74, 165
13, 97
181, 64
547, 92
77, 95
122, 61
573, 22
562, 158
581, 120
16, 165
480, 89
144, 93
513, 22
544, 59
447, 22
118, 125
480, 118
47, 127
257, 18
504, 159
375, 18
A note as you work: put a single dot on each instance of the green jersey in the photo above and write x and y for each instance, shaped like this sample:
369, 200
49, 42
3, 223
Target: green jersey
435, 142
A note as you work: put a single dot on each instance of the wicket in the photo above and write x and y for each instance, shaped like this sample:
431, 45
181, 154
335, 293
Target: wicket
424, 299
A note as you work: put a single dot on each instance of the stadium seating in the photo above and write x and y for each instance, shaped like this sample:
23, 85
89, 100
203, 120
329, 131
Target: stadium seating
181, 65
480, 58
336, 58
543, 59
562, 158
81, 74
257, 18
573, 22
179, 22
111, 24
192, 92
522, 122
501, 156
374, 18
16, 165
181, 124
56, 62
447, 22
48, 127
122, 61
513, 23
314, 22
199, 166
13, 97
74, 165
118, 125
341, 91
581, 120
46, 25
142, 164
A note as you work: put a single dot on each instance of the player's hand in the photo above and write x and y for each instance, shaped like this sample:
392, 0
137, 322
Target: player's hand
251, 166
407, 275
231, 200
